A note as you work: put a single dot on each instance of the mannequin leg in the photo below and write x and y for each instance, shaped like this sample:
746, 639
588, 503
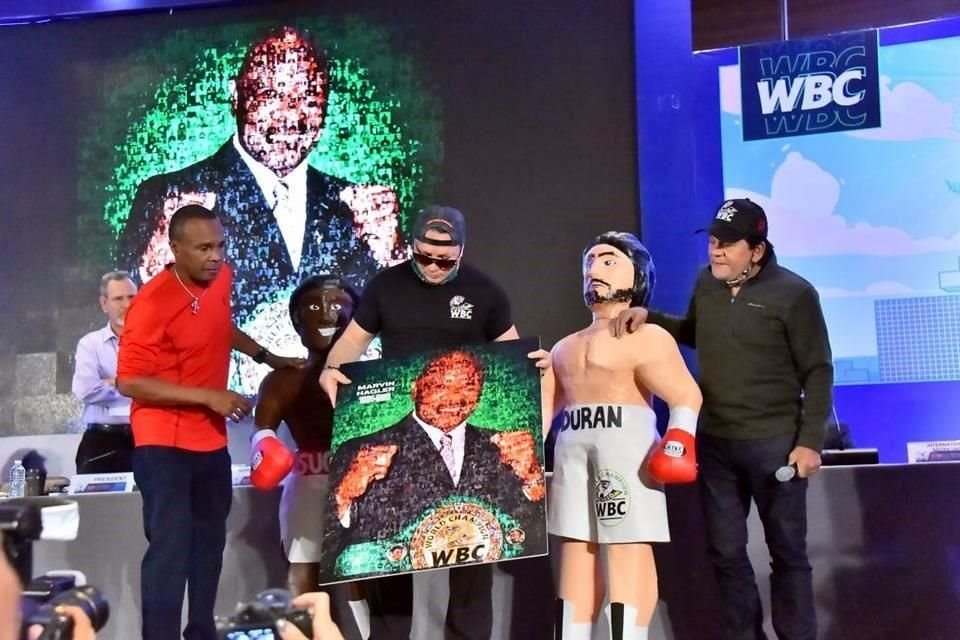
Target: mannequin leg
633, 590
580, 590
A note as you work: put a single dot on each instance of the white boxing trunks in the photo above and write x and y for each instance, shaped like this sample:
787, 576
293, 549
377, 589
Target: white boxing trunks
600, 490
302, 505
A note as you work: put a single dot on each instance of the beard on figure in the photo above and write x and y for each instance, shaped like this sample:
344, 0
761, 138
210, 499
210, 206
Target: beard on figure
593, 296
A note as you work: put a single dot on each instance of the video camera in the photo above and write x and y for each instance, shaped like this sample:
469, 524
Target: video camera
21, 523
257, 619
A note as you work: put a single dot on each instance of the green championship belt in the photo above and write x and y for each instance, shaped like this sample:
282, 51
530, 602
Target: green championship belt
459, 530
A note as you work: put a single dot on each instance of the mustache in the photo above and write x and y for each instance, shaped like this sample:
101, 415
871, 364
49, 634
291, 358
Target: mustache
597, 281
615, 295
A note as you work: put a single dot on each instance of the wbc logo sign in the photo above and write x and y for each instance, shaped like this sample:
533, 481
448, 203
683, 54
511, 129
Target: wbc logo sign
802, 87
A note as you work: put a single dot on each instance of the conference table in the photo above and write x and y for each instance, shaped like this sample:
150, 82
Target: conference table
884, 542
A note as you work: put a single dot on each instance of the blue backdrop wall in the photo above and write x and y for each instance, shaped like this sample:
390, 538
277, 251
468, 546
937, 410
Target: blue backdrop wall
681, 173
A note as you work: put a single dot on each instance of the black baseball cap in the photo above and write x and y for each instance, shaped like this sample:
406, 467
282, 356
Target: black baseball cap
444, 219
738, 219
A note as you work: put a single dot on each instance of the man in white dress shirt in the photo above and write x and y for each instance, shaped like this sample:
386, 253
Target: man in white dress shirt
107, 440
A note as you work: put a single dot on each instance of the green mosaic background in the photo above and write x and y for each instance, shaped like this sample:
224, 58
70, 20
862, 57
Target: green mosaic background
510, 399
168, 106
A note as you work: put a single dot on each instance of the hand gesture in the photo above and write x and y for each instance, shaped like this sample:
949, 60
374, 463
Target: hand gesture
318, 605
807, 461
82, 627
229, 404
371, 463
542, 356
375, 220
628, 321
518, 451
330, 380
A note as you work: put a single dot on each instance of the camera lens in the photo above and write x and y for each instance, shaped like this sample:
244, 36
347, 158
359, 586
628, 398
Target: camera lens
90, 600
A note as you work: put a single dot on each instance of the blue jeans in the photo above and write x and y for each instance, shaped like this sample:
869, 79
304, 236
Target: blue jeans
732, 472
186, 499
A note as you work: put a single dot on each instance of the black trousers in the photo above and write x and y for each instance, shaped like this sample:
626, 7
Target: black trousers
186, 499
105, 448
469, 610
732, 472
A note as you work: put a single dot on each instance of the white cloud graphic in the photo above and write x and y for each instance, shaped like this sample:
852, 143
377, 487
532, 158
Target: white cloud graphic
801, 209
910, 112
907, 111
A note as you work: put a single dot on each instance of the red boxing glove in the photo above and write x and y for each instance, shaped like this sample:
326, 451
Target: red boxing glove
270, 460
674, 461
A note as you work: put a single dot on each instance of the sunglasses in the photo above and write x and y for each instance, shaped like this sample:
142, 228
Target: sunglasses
443, 263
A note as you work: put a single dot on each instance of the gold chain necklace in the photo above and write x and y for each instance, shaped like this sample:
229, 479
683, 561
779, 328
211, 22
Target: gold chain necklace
195, 305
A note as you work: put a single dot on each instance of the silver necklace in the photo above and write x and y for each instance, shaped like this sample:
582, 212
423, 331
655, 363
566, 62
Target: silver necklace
195, 305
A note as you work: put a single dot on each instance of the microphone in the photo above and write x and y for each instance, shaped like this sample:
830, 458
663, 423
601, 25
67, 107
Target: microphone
786, 473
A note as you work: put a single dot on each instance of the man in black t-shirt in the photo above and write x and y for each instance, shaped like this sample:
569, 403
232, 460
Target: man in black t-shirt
431, 301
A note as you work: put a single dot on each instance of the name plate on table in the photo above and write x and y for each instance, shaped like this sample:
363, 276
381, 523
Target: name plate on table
933, 451
102, 483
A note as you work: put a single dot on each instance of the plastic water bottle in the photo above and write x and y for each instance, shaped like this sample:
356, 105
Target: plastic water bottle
18, 479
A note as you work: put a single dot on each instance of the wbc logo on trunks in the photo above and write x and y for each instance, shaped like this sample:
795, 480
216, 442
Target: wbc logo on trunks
612, 498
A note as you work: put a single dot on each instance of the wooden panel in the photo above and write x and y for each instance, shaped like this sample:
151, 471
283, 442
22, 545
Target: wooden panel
817, 17
730, 23
725, 23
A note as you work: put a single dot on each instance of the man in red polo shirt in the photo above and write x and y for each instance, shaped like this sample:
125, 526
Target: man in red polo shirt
173, 361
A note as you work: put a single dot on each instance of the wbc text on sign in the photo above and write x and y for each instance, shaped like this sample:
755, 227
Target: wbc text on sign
803, 87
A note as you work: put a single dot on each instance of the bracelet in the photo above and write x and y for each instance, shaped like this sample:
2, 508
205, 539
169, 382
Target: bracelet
261, 356
331, 366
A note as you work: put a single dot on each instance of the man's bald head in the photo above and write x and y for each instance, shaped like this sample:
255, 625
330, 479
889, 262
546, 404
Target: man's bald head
281, 99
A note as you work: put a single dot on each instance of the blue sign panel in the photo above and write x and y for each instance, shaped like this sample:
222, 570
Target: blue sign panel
802, 87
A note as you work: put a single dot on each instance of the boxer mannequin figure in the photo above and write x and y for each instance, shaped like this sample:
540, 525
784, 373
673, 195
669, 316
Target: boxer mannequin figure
320, 308
609, 461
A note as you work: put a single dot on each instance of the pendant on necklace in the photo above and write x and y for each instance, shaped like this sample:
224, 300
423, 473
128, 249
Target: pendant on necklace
195, 306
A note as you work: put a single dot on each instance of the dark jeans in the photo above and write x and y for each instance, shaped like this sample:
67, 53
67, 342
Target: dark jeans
731, 473
105, 449
469, 610
186, 499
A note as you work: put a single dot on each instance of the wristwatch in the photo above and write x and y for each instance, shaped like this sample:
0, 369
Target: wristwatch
261, 356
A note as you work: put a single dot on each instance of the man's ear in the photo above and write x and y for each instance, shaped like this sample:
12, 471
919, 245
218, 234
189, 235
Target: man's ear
103, 303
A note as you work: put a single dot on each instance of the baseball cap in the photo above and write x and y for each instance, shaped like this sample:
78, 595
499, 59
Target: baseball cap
738, 219
444, 219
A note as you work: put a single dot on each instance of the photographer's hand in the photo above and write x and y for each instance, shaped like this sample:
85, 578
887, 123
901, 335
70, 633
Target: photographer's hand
82, 627
318, 605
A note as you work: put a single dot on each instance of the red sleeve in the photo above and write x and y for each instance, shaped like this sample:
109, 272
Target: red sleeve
143, 333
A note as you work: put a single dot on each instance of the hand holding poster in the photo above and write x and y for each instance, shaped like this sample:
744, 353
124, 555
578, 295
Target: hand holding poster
437, 461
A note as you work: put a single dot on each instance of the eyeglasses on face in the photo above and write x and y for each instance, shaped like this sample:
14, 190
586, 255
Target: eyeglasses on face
446, 264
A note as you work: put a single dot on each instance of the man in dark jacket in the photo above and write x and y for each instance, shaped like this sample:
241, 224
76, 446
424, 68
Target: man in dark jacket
766, 374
